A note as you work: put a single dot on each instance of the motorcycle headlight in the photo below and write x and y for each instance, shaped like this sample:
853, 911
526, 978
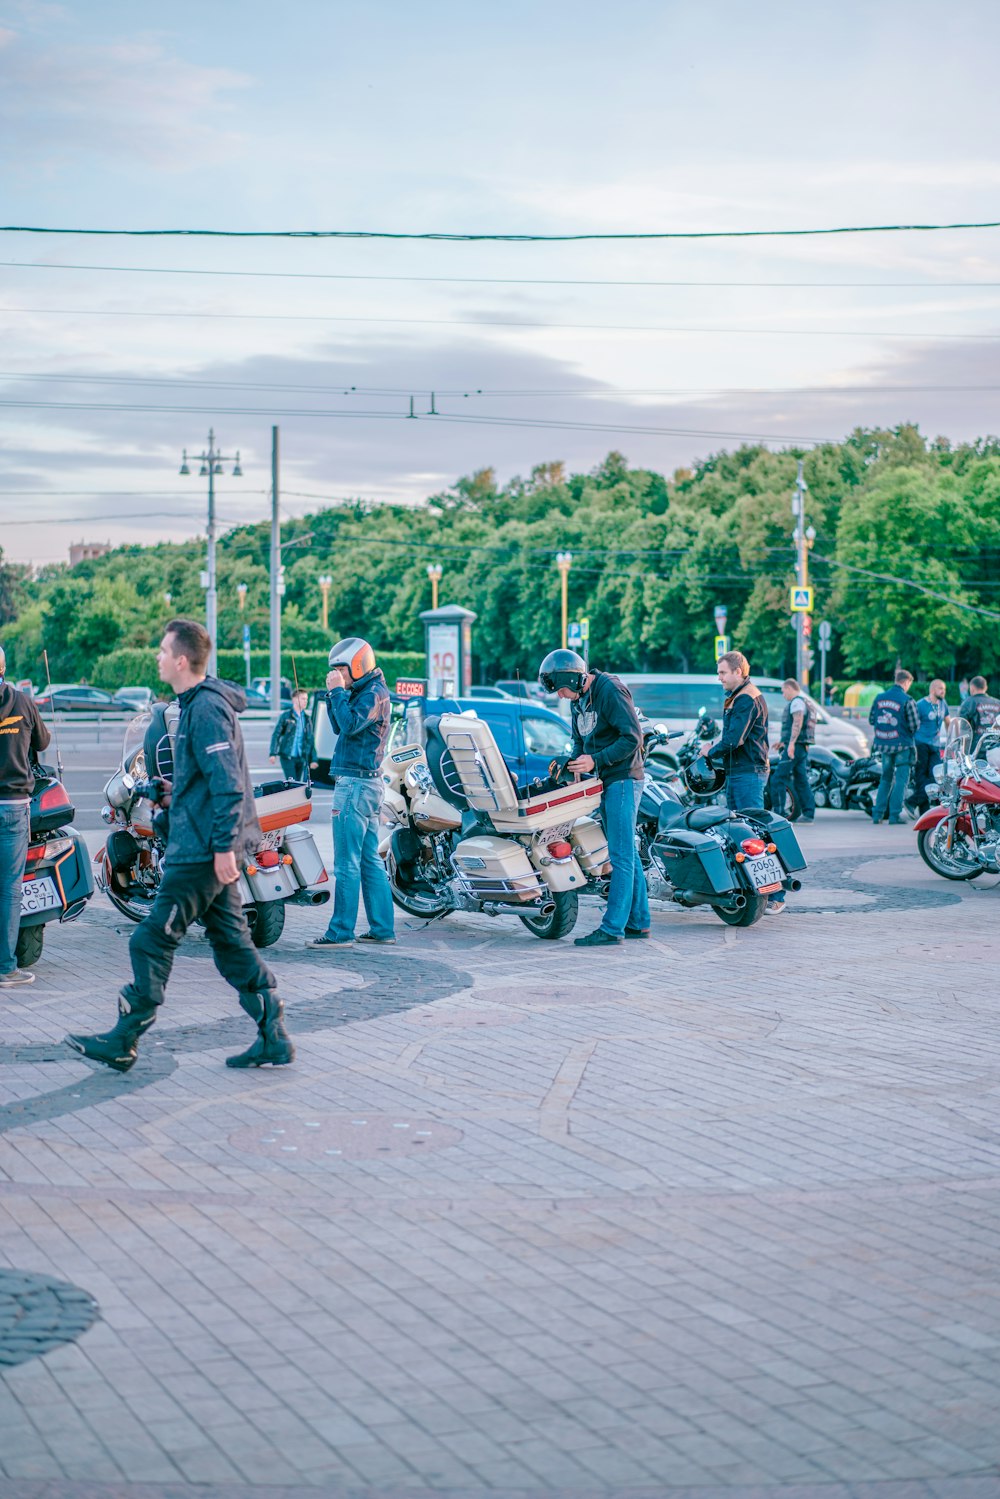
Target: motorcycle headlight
938, 773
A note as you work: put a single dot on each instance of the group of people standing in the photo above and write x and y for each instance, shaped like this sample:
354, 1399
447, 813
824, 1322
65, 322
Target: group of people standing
909, 738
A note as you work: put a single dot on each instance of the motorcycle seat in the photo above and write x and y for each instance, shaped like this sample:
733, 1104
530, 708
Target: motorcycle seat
699, 819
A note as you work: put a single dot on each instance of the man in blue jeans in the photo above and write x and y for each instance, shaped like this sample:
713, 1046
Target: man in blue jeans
743, 749
23, 736
895, 720
358, 703
607, 741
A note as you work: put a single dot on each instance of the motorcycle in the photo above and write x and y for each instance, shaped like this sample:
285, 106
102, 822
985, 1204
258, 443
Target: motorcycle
699, 855
458, 836
851, 786
960, 837
57, 883
286, 867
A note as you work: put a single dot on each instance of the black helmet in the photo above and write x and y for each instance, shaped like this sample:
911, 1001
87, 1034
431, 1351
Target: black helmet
562, 669
702, 778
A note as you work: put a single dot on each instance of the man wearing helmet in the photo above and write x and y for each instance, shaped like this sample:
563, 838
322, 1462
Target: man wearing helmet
357, 701
607, 741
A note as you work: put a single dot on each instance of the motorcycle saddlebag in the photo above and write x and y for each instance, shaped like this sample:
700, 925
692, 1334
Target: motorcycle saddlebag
781, 834
693, 861
496, 869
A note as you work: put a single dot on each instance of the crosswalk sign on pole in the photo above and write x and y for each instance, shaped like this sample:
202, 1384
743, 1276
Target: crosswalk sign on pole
801, 600
722, 645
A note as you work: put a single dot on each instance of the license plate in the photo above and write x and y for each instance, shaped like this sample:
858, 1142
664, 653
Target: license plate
766, 872
39, 895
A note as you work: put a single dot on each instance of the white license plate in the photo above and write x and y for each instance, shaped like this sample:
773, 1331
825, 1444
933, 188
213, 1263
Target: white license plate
39, 895
766, 871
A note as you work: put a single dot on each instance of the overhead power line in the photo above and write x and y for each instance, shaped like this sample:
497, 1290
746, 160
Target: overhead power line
495, 323
592, 235
172, 270
910, 583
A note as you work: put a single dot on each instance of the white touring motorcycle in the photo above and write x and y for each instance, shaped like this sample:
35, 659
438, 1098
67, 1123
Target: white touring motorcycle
286, 866
484, 846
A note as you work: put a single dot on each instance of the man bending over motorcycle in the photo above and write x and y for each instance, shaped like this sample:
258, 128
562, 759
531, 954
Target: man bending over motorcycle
607, 741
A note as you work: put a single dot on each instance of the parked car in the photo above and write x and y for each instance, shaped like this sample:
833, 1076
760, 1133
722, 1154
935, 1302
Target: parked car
677, 699
529, 735
257, 700
488, 692
136, 699
262, 686
75, 699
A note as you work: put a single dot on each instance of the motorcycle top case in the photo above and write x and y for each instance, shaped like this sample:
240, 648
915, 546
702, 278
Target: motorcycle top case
693, 861
780, 833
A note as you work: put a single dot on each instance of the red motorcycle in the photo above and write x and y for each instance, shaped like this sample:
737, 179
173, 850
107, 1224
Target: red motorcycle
960, 837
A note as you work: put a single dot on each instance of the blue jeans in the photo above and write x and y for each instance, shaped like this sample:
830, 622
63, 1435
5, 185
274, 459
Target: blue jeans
795, 770
896, 765
13, 853
357, 869
628, 898
745, 792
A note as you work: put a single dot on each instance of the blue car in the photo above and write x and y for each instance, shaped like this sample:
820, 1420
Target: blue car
527, 734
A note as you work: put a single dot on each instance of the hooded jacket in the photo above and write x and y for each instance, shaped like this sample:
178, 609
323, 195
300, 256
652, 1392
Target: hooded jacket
606, 727
22, 737
360, 717
212, 809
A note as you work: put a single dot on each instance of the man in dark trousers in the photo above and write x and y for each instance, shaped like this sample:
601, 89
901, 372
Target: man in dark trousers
359, 705
980, 710
23, 736
292, 741
932, 711
213, 829
895, 719
607, 742
798, 732
743, 751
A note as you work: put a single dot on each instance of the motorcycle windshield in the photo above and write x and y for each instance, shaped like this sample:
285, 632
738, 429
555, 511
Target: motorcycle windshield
956, 747
135, 731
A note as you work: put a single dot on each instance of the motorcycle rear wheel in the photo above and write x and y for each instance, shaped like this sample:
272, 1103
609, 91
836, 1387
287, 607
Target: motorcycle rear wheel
559, 922
749, 916
29, 945
930, 841
267, 921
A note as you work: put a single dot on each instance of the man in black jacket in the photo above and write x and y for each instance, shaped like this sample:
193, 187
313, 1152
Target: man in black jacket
292, 741
743, 751
607, 742
213, 829
23, 736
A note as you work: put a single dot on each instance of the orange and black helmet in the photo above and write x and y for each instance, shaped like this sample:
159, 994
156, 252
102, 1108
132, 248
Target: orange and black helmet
355, 656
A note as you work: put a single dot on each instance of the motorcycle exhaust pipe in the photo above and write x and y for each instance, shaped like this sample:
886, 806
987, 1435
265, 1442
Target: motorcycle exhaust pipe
512, 908
791, 884
735, 902
309, 898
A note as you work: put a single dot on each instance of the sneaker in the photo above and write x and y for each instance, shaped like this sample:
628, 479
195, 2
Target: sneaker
379, 941
807, 819
17, 979
598, 938
329, 942
774, 907
896, 822
636, 934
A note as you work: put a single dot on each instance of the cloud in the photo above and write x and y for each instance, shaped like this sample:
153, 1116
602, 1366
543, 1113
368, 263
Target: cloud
131, 100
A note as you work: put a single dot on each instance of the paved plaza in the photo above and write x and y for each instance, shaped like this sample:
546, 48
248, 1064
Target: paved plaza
709, 1217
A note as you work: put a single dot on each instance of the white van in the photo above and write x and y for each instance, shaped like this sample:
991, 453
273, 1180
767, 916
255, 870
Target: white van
676, 700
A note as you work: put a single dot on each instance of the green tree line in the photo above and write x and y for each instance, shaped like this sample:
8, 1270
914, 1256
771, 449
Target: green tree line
907, 554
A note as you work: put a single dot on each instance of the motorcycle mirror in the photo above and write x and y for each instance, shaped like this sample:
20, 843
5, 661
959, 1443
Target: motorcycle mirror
661, 728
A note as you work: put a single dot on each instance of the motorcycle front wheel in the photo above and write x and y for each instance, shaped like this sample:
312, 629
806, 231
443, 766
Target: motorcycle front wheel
749, 916
560, 921
952, 864
135, 907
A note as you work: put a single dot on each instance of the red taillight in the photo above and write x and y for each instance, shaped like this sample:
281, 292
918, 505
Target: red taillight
35, 853
54, 796
561, 850
268, 859
753, 846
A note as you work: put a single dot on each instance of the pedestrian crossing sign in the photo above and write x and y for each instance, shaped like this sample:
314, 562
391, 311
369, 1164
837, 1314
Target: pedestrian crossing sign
801, 600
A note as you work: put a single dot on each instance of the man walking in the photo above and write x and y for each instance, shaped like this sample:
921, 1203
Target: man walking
607, 742
743, 750
23, 736
213, 828
292, 741
895, 719
980, 710
932, 711
358, 703
798, 732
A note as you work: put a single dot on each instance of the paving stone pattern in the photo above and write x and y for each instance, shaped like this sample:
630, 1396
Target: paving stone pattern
713, 1216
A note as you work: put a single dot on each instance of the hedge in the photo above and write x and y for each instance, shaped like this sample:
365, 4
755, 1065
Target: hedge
133, 667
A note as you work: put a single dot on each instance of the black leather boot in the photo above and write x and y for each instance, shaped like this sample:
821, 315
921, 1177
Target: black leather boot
119, 1047
273, 1046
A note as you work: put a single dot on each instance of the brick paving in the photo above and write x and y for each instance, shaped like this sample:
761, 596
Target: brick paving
713, 1217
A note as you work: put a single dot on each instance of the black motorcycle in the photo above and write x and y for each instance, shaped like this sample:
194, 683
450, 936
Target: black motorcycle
851, 787
57, 882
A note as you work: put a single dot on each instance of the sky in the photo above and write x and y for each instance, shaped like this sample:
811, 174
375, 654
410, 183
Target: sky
547, 117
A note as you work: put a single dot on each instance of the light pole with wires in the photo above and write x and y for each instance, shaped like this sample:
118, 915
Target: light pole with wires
211, 462
564, 561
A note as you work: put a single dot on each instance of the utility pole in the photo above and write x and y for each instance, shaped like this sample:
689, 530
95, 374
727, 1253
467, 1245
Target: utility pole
211, 464
564, 561
803, 537
276, 580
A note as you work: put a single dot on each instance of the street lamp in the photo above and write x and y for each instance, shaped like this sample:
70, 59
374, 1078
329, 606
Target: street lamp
803, 539
434, 573
211, 464
168, 599
241, 589
325, 584
564, 561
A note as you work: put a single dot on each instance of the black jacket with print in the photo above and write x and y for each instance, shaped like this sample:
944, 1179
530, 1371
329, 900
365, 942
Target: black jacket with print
23, 736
